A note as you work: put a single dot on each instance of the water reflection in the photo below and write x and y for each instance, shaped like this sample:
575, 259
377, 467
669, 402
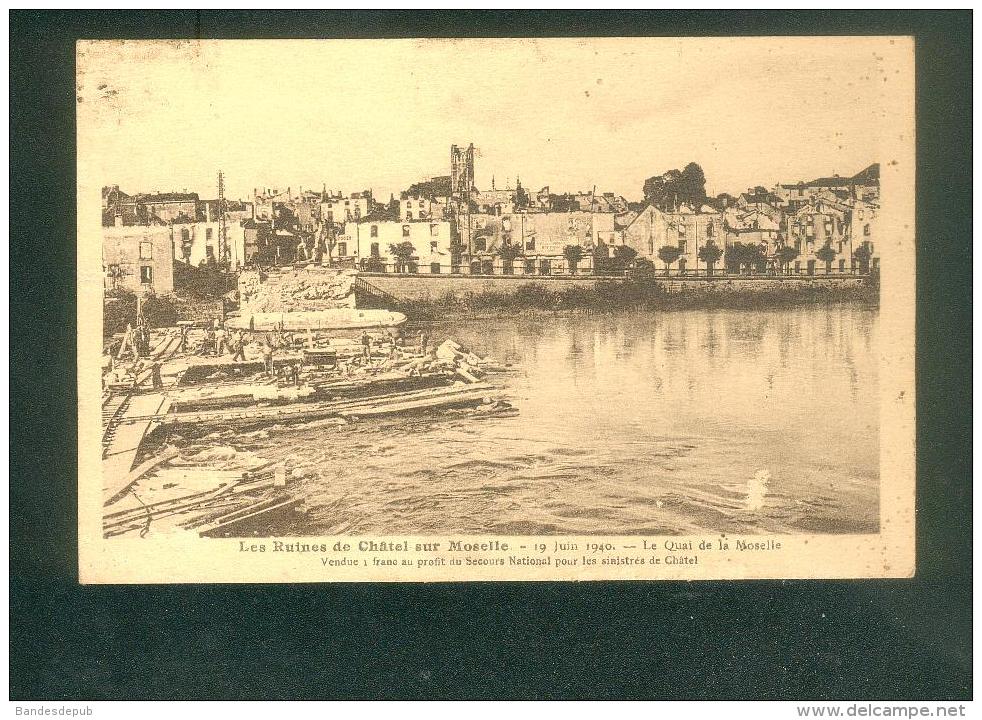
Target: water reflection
640, 422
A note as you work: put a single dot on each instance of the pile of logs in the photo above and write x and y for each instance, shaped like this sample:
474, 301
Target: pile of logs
240, 500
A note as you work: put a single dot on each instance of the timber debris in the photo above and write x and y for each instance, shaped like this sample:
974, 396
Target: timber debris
201, 375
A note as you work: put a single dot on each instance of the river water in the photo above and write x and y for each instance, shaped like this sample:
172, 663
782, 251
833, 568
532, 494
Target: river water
631, 423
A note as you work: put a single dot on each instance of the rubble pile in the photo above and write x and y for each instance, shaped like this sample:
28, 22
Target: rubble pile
187, 379
213, 503
304, 289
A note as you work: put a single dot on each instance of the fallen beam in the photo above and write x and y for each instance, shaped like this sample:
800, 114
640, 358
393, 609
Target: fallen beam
307, 409
409, 406
141, 470
259, 509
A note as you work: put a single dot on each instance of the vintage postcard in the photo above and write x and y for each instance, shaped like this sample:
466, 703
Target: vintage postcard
496, 309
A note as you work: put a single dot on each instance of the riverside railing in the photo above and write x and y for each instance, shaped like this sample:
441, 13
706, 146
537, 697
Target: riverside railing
497, 271
701, 274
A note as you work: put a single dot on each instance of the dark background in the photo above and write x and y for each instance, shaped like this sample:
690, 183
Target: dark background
901, 639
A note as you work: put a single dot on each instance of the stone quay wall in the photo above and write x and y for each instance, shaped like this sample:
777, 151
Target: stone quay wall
428, 288
317, 288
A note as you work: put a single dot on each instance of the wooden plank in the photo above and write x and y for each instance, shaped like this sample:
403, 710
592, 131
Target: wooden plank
422, 404
250, 508
284, 505
138, 523
307, 409
141, 470
467, 376
195, 502
162, 505
126, 440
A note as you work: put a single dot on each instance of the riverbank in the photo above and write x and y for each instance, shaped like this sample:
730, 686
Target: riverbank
641, 293
425, 298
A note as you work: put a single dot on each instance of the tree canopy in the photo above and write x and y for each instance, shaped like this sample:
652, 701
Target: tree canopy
710, 254
614, 259
826, 254
785, 254
403, 251
863, 255
749, 255
438, 187
522, 199
509, 252
668, 254
676, 187
573, 253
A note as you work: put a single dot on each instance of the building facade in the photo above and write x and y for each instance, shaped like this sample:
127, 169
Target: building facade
149, 208
687, 229
864, 185
821, 235
339, 209
416, 207
461, 172
264, 203
751, 227
493, 202
371, 243
201, 243
139, 259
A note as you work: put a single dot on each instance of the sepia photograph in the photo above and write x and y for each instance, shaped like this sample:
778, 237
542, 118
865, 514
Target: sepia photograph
480, 355
542, 288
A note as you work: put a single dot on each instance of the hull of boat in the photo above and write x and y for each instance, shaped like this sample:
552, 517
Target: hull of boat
331, 319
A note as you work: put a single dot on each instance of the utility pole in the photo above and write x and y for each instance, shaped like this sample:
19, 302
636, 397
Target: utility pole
223, 248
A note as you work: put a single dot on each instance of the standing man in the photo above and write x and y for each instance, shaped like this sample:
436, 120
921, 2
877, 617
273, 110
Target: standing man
366, 346
239, 345
183, 345
208, 341
268, 354
129, 343
222, 343
142, 335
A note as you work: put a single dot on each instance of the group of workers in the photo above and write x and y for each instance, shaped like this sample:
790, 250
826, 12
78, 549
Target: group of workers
398, 342
219, 340
136, 340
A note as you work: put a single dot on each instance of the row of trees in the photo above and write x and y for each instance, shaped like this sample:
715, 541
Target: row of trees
754, 257
741, 256
709, 253
404, 254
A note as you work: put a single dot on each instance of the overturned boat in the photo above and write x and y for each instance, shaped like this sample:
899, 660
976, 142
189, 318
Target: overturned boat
335, 319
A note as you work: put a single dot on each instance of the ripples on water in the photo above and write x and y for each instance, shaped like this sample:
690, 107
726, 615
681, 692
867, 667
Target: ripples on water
632, 423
